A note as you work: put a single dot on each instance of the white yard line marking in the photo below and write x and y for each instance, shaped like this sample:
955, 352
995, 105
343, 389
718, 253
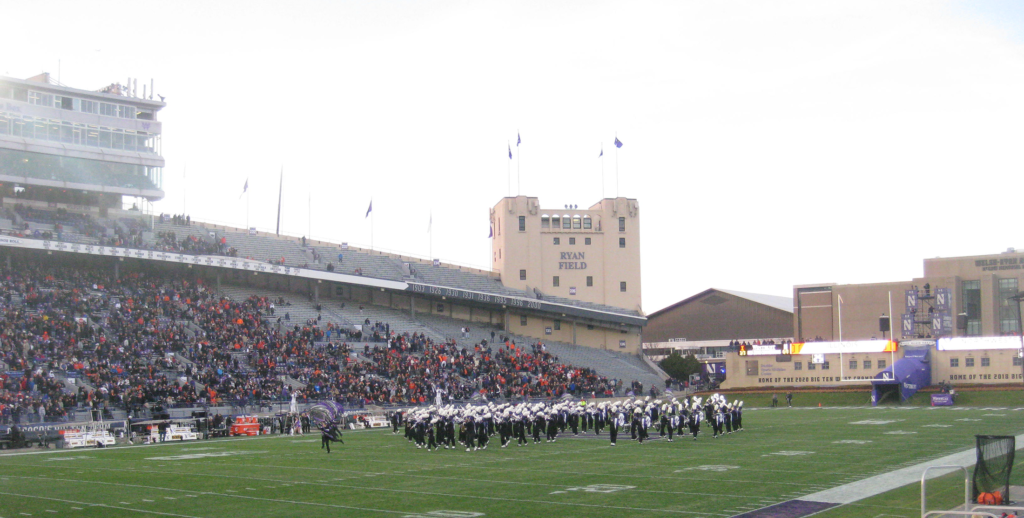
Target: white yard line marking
144, 511
878, 484
405, 491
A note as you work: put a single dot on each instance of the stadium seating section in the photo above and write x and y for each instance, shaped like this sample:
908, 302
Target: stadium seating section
74, 340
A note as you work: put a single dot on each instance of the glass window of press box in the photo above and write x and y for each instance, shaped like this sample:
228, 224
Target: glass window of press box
79, 170
64, 102
1007, 307
971, 297
78, 134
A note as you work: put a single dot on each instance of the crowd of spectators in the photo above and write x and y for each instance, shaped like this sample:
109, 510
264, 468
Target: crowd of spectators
61, 220
144, 340
735, 344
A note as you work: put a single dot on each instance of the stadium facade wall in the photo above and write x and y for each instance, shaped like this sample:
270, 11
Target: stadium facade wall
978, 288
745, 372
527, 256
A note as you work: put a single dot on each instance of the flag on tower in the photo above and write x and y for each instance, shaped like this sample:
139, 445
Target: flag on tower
519, 139
431, 222
244, 188
491, 234
618, 143
510, 151
602, 151
369, 210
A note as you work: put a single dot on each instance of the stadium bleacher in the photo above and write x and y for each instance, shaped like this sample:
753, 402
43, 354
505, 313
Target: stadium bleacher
233, 367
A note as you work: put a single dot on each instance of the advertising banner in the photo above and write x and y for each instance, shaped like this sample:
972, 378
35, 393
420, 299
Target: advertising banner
942, 400
970, 343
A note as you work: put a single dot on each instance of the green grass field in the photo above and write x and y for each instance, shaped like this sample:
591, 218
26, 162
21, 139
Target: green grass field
783, 454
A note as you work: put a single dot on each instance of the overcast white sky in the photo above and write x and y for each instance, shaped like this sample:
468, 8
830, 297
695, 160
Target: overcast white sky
768, 143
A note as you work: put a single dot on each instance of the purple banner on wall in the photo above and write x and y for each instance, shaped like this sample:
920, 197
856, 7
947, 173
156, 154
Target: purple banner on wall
911, 297
942, 400
943, 299
908, 325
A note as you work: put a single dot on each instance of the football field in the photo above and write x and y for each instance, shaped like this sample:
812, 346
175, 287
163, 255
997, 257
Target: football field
783, 455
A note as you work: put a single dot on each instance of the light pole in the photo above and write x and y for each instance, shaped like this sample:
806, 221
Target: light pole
1018, 298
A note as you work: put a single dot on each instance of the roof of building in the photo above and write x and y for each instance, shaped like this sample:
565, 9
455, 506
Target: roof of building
774, 301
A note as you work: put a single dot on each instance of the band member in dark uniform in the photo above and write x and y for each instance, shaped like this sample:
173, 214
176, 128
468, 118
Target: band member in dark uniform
328, 434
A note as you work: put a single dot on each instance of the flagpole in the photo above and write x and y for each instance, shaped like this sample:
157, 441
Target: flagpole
602, 170
430, 228
509, 169
247, 211
309, 206
616, 166
840, 318
371, 224
184, 190
519, 158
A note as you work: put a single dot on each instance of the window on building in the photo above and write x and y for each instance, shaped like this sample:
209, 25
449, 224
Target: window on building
622, 224
824, 366
867, 364
798, 366
881, 364
985, 361
586, 241
522, 275
1007, 308
968, 362
622, 286
811, 366
522, 223
954, 362
556, 222
554, 281
545, 221
572, 240
751, 367
566, 222
622, 242
590, 327
558, 241
39, 98
1017, 361
577, 223
853, 364
587, 223
558, 325
971, 296
440, 308
522, 320
590, 280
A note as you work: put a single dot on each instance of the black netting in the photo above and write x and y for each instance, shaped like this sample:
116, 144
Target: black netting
995, 461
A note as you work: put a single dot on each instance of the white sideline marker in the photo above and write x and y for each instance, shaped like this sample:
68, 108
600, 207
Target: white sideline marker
878, 484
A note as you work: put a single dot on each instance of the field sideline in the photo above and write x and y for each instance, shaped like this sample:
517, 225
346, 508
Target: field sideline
783, 454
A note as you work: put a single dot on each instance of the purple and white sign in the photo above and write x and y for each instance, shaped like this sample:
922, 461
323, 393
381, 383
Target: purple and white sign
908, 325
942, 400
911, 296
943, 299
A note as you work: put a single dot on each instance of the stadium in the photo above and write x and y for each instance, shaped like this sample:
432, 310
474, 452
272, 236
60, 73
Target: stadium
153, 364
